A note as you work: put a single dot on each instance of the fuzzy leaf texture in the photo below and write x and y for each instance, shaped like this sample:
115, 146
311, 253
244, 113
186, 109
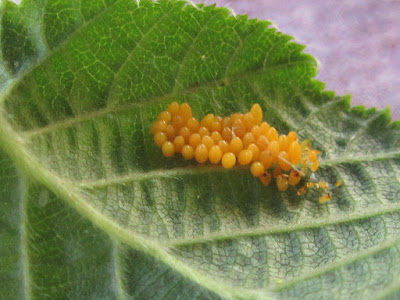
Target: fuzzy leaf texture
90, 209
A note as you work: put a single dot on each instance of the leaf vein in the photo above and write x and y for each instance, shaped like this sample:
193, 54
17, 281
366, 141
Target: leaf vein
119, 285
65, 123
131, 52
311, 223
189, 50
40, 60
362, 129
168, 173
24, 255
338, 264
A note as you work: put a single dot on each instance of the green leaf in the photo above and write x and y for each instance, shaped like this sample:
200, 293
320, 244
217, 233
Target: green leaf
91, 209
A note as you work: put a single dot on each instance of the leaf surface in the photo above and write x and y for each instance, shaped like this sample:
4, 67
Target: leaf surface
90, 208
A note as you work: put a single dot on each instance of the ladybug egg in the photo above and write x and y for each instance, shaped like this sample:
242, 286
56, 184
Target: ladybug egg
187, 152
245, 157
228, 160
201, 153
215, 154
168, 149
257, 169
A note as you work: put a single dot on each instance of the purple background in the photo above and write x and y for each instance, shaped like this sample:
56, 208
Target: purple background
356, 42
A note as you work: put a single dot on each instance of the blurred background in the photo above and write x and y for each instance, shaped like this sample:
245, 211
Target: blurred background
357, 42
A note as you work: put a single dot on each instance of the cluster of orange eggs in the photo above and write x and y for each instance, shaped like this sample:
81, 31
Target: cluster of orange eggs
243, 139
